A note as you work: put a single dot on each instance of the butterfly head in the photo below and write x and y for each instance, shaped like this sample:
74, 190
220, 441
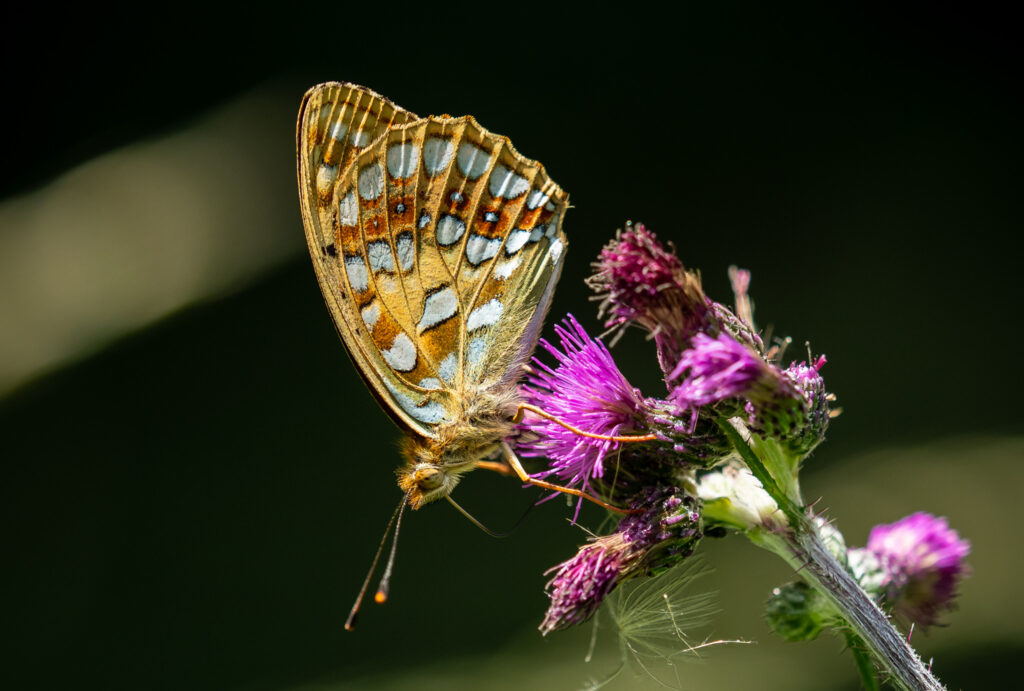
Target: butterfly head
436, 465
426, 482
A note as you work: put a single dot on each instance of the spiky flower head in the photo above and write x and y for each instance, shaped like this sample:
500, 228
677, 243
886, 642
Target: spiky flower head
581, 583
790, 405
588, 391
717, 369
642, 282
923, 560
647, 543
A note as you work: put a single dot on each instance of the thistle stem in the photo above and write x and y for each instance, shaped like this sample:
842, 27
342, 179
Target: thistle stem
863, 662
865, 619
802, 547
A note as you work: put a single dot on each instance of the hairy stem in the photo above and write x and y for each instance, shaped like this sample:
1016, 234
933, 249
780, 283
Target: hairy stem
803, 548
865, 619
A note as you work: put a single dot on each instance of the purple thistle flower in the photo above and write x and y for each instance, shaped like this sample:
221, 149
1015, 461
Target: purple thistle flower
790, 405
582, 583
924, 560
717, 369
645, 544
587, 391
641, 282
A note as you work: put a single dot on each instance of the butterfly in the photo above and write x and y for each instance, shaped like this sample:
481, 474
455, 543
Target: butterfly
437, 247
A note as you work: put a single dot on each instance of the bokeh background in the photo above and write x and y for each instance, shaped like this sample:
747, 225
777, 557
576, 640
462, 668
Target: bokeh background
195, 478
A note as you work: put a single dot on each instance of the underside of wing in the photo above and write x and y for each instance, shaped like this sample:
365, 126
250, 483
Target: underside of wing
336, 122
437, 248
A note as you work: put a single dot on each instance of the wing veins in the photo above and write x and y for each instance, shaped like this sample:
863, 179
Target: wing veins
371, 276
493, 261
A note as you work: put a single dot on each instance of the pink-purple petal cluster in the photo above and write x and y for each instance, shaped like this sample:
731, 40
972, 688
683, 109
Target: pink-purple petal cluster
587, 391
581, 583
647, 543
642, 282
924, 560
715, 369
790, 405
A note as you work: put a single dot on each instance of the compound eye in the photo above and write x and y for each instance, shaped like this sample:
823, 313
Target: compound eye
429, 478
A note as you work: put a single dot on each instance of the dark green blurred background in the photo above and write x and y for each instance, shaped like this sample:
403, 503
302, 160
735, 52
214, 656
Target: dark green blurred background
194, 483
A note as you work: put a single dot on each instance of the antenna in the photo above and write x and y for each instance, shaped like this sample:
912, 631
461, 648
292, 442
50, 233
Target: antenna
353, 616
381, 596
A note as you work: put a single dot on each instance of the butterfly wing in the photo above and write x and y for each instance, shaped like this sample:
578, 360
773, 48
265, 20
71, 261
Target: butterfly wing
336, 122
435, 245
509, 259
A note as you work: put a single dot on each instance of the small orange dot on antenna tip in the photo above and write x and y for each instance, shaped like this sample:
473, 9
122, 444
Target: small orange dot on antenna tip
381, 597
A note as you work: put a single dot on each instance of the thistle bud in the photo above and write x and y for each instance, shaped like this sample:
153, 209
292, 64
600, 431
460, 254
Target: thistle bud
647, 543
796, 612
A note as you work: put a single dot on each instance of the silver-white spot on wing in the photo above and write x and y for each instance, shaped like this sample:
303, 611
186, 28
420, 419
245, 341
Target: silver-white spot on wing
403, 159
516, 240
371, 314
430, 383
505, 183
360, 139
484, 315
479, 248
430, 412
437, 308
555, 251
348, 210
437, 154
475, 351
325, 176
535, 199
379, 253
402, 354
338, 131
504, 269
355, 267
371, 182
472, 160
449, 230
424, 220
406, 250
447, 368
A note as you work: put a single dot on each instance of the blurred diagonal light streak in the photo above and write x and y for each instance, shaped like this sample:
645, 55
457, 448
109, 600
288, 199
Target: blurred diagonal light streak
136, 234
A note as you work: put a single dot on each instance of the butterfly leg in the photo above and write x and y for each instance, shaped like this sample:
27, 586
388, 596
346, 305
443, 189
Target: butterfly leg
496, 466
523, 407
517, 466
